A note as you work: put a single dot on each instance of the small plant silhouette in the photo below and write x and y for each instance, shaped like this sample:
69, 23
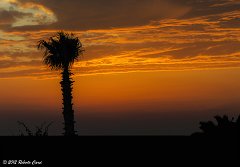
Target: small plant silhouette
224, 127
40, 130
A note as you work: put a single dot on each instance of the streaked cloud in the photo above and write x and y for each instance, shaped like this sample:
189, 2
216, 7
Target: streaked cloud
188, 40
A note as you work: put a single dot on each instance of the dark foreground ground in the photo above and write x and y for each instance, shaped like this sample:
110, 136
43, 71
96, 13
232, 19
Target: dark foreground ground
114, 151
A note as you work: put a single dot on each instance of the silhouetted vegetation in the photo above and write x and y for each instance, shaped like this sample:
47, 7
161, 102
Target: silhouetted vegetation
61, 51
40, 130
224, 127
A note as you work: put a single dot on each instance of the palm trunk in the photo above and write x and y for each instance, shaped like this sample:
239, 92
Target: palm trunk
68, 112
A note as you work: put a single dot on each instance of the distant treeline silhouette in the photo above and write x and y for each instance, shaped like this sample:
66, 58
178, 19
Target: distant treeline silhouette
224, 127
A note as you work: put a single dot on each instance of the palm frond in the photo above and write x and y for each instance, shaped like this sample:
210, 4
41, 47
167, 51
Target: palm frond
61, 50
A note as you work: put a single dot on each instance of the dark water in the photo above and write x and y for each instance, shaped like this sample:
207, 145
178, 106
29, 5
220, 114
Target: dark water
114, 123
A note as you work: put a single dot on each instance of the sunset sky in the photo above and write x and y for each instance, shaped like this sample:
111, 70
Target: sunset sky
149, 66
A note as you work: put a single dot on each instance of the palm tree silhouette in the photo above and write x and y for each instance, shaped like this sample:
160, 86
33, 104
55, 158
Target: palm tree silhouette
60, 52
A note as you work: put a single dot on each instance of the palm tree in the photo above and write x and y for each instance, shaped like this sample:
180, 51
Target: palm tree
60, 52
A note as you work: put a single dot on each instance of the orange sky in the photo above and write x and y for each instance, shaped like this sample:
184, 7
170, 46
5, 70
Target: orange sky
198, 90
139, 56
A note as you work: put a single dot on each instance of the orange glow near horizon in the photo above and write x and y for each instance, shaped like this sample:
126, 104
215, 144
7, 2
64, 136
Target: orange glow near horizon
183, 90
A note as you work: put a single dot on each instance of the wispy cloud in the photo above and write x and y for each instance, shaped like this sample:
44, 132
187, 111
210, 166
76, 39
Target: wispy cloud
207, 41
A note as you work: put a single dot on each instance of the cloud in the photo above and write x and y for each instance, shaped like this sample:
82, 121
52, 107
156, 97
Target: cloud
103, 14
209, 7
195, 39
8, 17
15, 13
226, 3
100, 14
